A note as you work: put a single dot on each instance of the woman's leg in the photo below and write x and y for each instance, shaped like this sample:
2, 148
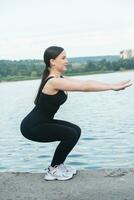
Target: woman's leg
68, 124
49, 132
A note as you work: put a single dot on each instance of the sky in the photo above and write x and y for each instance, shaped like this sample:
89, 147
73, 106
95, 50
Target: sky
81, 27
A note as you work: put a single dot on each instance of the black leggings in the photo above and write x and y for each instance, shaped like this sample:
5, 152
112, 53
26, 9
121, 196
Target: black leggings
57, 130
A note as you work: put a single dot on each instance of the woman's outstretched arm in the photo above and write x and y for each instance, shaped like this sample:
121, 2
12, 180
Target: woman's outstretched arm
86, 85
96, 86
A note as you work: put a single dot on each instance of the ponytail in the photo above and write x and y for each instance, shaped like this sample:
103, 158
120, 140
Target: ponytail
44, 76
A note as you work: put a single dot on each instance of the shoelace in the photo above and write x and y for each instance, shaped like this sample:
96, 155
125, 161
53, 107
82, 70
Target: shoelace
53, 168
56, 166
64, 167
48, 168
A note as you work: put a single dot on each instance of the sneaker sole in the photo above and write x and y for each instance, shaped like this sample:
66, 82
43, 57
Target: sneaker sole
73, 173
57, 178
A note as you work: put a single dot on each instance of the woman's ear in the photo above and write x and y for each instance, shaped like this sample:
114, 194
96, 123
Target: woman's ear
52, 62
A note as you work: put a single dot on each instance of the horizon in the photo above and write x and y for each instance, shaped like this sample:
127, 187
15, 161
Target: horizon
67, 57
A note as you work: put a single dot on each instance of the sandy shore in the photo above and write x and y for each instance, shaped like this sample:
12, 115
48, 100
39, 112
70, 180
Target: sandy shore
116, 184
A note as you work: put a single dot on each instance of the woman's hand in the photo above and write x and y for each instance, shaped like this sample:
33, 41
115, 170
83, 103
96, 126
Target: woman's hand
121, 85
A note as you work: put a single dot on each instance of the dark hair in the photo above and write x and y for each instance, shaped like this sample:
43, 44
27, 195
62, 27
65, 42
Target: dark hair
50, 53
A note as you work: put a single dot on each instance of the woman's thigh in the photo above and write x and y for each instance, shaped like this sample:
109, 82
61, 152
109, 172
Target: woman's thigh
69, 124
48, 132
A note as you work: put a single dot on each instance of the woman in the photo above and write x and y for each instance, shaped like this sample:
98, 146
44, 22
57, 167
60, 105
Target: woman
39, 125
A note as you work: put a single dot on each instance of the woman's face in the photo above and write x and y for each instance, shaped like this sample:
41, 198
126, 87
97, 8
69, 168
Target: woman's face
60, 62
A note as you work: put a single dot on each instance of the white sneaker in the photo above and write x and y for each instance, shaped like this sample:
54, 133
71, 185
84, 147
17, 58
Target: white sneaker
66, 168
57, 174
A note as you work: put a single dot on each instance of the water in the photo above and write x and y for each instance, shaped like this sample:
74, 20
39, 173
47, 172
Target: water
106, 120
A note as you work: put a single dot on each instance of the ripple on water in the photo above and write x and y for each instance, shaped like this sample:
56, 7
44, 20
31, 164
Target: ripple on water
43, 156
88, 138
76, 163
75, 155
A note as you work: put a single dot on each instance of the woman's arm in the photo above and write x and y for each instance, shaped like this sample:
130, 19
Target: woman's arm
96, 86
70, 79
86, 86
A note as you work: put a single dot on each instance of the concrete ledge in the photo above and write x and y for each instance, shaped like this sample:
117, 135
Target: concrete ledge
117, 184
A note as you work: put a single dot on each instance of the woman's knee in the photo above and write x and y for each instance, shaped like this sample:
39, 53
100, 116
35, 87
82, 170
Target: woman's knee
69, 124
78, 129
75, 135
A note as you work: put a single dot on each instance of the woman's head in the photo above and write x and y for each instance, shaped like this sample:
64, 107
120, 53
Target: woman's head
55, 58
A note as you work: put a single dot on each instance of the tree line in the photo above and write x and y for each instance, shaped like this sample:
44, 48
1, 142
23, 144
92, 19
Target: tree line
33, 68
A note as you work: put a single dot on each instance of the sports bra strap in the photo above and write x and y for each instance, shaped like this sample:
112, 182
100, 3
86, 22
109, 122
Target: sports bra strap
49, 78
52, 77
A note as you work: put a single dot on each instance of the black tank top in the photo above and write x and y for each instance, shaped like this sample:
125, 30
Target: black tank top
46, 107
49, 104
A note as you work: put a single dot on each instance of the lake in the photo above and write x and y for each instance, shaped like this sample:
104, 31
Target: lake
106, 119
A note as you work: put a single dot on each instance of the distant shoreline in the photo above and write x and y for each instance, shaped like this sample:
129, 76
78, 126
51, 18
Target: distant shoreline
24, 78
